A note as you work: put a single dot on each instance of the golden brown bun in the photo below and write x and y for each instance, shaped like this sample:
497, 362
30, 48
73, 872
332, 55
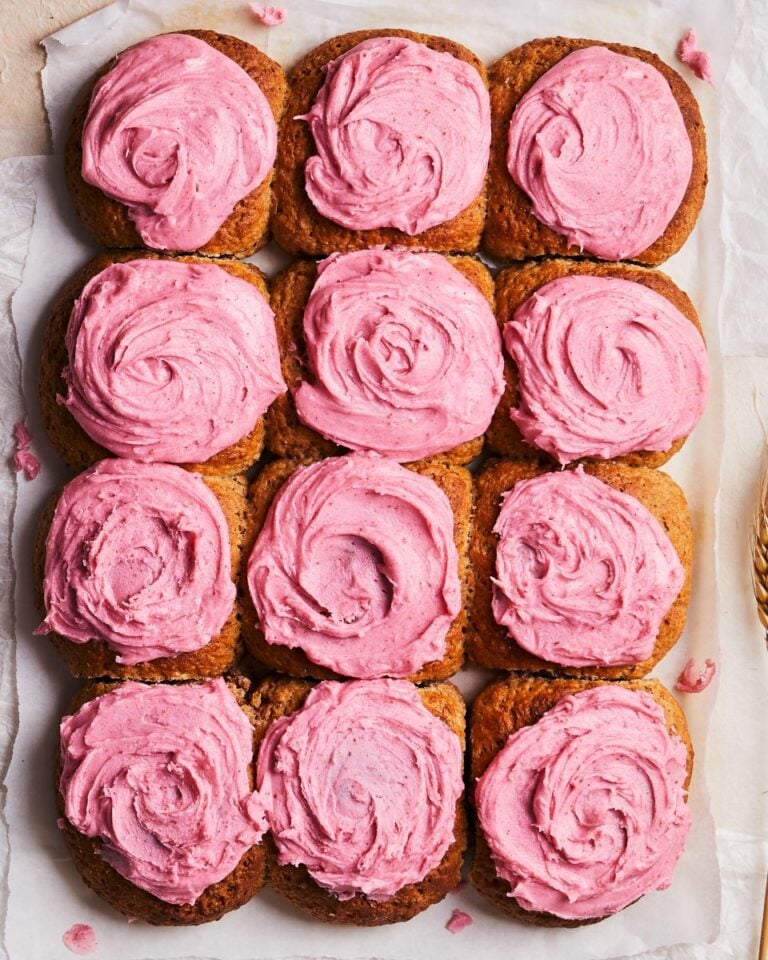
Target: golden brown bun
512, 232
246, 229
287, 436
490, 645
96, 659
67, 437
456, 484
232, 892
296, 224
514, 286
508, 705
279, 697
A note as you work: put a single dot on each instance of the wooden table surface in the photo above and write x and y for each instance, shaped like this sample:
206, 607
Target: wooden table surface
23, 128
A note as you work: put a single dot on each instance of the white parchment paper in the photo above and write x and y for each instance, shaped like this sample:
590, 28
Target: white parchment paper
40, 871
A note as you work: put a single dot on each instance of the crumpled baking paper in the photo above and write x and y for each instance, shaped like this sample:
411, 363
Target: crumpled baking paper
688, 913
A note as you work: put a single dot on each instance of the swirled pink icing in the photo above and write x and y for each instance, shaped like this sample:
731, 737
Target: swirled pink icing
402, 134
160, 775
138, 556
356, 565
179, 133
600, 146
404, 354
360, 786
584, 811
584, 573
606, 366
170, 361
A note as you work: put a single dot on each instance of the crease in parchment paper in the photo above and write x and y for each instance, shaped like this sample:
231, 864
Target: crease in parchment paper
18, 178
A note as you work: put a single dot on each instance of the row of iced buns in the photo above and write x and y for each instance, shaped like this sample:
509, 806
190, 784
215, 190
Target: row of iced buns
392, 351
358, 813
350, 564
389, 137
356, 566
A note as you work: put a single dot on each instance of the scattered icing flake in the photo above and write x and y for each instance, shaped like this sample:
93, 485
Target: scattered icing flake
462, 885
268, 16
28, 462
692, 680
22, 436
80, 939
22, 458
459, 921
696, 59
61, 823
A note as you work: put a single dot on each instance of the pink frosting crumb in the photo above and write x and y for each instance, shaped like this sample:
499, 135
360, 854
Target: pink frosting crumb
692, 680
459, 921
462, 885
268, 16
699, 62
22, 458
80, 939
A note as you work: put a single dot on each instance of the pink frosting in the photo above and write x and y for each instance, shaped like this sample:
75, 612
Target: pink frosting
170, 361
268, 16
179, 133
402, 134
693, 680
138, 556
160, 775
699, 62
404, 354
459, 921
606, 366
23, 459
584, 573
356, 565
600, 146
361, 786
584, 811
80, 939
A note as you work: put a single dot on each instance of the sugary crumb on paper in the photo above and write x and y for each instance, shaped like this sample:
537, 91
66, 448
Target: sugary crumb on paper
461, 885
80, 939
689, 53
22, 458
692, 680
459, 921
268, 16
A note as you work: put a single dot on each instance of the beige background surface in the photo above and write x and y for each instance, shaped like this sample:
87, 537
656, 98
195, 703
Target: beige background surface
23, 130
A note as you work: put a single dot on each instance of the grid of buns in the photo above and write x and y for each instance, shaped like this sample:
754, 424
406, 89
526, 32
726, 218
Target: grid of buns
331, 548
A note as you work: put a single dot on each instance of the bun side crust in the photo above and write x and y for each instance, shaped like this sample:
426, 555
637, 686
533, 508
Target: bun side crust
512, 232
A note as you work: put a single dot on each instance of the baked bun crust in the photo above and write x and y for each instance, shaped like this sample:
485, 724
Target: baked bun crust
296, 224
279, 697
489, 643
512, 232
504, 707
246, 229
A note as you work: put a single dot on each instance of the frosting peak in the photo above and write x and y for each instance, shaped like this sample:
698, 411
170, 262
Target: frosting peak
160, 775
170, 361
404, 354
356, 565
360, 786
584, 573
179, 133
600, 146
606, 366
402, 134
584, 811
138, 556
